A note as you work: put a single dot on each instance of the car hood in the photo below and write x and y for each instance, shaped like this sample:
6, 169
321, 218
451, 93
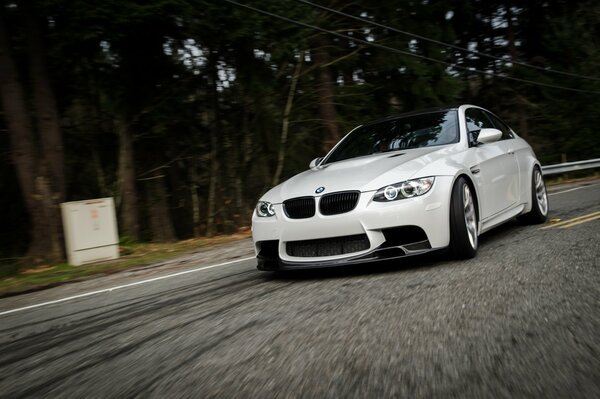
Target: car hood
368, 173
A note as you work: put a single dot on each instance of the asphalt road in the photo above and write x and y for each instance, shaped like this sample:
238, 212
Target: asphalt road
522, 319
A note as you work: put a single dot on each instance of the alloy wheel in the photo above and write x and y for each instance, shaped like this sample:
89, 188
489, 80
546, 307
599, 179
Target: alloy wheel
470, 216
540, 192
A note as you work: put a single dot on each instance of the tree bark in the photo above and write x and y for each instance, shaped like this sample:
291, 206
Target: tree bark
521, 100
161, 226
129, 198
195, 199
45, 105
326, 92
41, 206
212, 186
522, 115
214, 141
285, 123
232, 182
237, 182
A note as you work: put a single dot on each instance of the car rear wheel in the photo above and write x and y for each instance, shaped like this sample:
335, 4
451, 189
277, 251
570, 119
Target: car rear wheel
463, 221
539, 200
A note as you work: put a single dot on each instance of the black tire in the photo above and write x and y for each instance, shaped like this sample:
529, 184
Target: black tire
463, 221
539, 200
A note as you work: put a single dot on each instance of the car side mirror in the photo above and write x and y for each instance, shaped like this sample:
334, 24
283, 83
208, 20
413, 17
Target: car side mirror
315, 162
488, 135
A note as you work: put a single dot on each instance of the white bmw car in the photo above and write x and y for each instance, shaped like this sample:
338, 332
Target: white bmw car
401, 186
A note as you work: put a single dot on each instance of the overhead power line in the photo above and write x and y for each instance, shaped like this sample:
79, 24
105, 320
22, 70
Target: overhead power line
428, 39
398, 51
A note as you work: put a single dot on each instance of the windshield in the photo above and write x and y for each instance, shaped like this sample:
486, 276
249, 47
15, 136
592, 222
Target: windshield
416, 131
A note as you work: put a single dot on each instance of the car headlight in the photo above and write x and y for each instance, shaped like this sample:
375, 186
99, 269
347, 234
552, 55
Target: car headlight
265, 209
405, 189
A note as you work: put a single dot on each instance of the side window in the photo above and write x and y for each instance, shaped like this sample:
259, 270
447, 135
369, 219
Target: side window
503, 127
477, 120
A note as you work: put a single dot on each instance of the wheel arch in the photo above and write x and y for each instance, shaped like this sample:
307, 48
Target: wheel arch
527, 189
462, 243
473, 188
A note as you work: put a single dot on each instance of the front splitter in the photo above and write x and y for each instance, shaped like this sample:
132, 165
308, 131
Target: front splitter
377, 255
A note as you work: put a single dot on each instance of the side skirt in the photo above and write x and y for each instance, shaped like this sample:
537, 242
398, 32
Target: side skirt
500, 218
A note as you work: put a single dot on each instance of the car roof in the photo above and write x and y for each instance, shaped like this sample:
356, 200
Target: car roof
411, 113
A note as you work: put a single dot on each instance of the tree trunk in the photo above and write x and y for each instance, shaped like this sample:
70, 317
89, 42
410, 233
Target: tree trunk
129, 197
161, 226
286, 120
47, 234
521, 100
215, 132
248, 136
41, 206
103, 188
48, 126
212, 186
233, 185
522, 115
238, 182
195, 199
45, 105
326, 92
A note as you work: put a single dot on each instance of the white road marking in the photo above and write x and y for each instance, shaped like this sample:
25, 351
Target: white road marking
572, 189
118, 287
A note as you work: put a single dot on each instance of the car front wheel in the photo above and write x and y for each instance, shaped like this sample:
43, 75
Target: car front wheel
539, 200
463, 221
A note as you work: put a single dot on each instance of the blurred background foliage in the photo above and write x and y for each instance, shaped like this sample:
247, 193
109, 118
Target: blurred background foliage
186, 111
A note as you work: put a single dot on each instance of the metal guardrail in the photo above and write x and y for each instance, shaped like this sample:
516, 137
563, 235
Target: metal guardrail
570, 166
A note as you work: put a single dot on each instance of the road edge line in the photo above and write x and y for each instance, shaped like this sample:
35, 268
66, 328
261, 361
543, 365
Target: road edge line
571, 189
118, 287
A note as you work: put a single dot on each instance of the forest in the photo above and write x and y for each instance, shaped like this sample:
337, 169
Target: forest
186, 111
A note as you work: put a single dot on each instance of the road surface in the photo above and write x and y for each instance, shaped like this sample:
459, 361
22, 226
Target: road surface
522, 319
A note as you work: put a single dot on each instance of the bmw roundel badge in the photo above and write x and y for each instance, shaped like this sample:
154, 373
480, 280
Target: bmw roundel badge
319, 190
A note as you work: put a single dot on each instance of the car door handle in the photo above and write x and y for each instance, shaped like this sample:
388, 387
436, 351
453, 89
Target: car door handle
511, 153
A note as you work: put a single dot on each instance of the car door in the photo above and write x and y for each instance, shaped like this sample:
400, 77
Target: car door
496, 170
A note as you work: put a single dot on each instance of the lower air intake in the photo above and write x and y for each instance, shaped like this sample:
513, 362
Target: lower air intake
328, 246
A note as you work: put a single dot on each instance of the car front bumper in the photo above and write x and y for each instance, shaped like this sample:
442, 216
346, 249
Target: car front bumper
429, 212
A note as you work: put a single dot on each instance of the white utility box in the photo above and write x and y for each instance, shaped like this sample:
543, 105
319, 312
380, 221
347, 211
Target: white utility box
90, 230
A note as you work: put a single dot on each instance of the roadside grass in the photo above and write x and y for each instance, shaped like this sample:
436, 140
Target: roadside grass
18, 278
